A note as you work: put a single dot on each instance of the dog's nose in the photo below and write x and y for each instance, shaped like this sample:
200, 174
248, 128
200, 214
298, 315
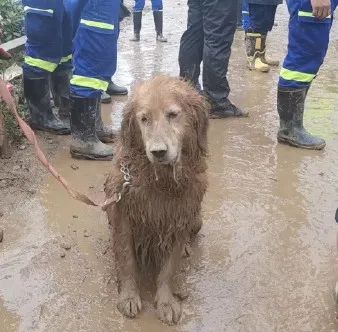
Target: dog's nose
158, 154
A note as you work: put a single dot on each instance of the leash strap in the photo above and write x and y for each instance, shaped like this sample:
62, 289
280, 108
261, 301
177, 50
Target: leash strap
30, 135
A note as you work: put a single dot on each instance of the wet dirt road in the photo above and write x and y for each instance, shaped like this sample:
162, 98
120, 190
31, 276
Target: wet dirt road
265, 259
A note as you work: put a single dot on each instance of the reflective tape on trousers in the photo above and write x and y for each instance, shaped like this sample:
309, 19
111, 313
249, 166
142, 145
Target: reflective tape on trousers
291, 75
42, 64
308, 14
89, 82
28, 9
100, 25
66, 58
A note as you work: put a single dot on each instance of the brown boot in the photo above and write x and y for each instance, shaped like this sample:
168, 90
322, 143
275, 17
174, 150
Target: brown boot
255, 52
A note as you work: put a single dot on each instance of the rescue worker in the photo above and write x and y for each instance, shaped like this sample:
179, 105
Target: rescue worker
157, 7
50, 27
309, 29
114, 89
208, 38
259, 18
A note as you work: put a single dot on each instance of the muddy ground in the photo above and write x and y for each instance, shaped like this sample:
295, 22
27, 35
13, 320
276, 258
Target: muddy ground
265, 259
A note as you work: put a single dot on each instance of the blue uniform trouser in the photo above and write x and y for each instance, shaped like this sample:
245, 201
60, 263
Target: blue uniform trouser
95, 48
258, 18
245, 15
49, 43
156, 5
50, 28
308, 43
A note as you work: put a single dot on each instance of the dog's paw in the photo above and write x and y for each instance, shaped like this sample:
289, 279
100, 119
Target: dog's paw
169, 310
129, 305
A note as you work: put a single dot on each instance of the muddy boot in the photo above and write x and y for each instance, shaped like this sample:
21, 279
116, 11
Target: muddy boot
137, 18
106, 98
85, 143
226, 112
104, 133
158, 20
116, 90
265, 59
42, 115
290, 105
60, 87
255, 51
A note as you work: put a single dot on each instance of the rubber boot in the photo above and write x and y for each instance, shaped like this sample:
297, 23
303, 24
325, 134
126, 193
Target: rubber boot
42, 115
290, 105
158, 20
60, 87
106, 98
116, 90
137, 19
266, 59
85, 143
104, 133
226, 112
255, 51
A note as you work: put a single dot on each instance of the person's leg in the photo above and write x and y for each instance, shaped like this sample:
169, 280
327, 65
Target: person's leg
239, 15
60, 78
95, 48
307, 47
262, 19
43, 26
158, 19
245, 15
137, 19
219, 25
255, 35
191, 46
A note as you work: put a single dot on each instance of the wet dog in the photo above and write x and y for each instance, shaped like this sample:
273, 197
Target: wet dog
160, 172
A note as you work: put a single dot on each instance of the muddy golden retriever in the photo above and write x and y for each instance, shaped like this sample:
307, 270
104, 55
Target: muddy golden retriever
163, 146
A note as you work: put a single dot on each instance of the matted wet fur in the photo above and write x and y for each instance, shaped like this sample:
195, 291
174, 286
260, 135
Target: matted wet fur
163, 142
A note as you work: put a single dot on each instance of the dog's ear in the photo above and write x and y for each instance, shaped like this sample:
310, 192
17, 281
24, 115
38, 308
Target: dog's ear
130, 131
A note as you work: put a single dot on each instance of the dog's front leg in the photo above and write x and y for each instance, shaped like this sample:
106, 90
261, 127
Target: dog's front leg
129, 302
168, 307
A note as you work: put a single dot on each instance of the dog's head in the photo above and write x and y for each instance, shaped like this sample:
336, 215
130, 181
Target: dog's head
167, 118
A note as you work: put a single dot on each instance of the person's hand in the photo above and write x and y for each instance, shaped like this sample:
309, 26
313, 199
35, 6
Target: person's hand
321, 9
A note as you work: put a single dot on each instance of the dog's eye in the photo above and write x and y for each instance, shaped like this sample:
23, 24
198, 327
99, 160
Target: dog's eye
144, 119
172, 115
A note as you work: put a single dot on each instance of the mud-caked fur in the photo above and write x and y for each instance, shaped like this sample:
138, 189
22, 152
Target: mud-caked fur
160, 211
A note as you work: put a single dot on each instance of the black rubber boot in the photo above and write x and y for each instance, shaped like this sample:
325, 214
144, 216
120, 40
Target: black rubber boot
104, 133
85, 143
42, 115
106, 98
137, 19
158, 20
116, 90
290, 105
60, 87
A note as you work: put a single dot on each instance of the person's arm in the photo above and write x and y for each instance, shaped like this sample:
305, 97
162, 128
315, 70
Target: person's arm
321, 8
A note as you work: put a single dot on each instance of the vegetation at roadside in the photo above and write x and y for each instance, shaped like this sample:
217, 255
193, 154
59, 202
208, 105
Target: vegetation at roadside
11, 19
11, 23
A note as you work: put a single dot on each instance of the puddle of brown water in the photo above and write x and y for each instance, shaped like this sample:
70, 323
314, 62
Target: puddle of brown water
9, 321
